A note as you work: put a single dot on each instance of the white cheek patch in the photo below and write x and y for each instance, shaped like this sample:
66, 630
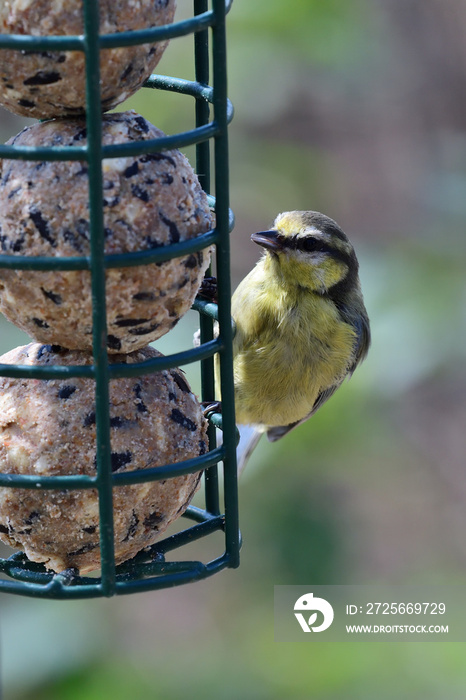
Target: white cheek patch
314, 264
313, 258
319, 273
319, 266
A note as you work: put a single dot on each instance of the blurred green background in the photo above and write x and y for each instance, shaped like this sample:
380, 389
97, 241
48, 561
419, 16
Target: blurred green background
358, 110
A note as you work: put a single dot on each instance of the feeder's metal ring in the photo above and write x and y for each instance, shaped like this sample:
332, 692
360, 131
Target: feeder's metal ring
118, 39
136, 476
137, 575
124, 150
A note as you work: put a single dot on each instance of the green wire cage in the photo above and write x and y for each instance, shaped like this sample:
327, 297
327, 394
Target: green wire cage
149, 569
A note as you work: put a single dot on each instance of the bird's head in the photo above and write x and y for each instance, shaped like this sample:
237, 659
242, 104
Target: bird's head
309, 250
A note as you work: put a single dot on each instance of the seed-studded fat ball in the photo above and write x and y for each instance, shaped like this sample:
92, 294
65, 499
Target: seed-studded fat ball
48, 427
52, 83
148, 201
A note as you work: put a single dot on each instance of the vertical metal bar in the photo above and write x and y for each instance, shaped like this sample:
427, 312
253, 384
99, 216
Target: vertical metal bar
99, 320
201, 61
223, 277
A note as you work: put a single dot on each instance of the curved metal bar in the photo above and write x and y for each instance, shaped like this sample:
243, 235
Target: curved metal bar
187, 466
193, 88
52, 372
169, 31
18, 566
117, 370
121, 150
54, 587
118, 150
163, 253
187, 87
115, 40
132, 259
33, 580
31, 481
156, 364
153, 34
43, 152
208, 308
137, 476
20, 42
173, 579
116, 260
180, 140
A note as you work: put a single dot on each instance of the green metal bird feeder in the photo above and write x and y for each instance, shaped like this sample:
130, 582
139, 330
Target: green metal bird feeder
150, 569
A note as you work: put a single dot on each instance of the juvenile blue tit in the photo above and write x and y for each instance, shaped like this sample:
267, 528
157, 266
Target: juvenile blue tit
301, 323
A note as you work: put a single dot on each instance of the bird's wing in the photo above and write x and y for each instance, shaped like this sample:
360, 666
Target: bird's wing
362, 342
278, 431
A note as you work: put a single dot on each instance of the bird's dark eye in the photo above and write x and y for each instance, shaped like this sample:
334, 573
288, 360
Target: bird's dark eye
311, 245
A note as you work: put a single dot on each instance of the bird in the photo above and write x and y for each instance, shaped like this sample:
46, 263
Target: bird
301, 326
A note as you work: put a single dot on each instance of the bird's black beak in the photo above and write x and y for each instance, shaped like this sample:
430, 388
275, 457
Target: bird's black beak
270, 240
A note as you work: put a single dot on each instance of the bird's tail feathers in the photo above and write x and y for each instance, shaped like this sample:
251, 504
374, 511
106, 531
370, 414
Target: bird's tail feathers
249, 437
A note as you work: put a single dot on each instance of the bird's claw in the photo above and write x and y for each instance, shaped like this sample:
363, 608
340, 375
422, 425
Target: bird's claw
210, 407
208, 289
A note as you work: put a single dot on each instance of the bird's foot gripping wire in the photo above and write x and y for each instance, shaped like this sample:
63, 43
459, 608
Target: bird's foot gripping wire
210, 407
247, 434
208, 289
